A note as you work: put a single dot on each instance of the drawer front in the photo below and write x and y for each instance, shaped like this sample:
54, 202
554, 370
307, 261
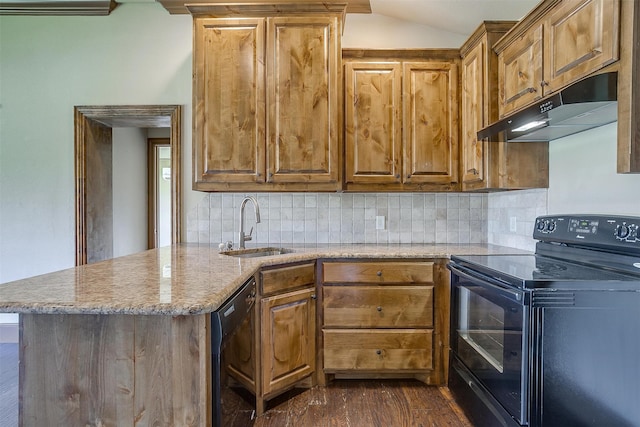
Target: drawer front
357, 350
378, 272
286, 278
378, 306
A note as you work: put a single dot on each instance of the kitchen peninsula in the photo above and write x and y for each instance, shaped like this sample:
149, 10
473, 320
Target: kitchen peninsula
126, 341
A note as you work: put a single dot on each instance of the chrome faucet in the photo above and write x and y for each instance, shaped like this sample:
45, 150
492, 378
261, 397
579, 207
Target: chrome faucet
256, 209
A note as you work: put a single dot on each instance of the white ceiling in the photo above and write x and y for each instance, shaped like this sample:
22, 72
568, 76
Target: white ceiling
457, 16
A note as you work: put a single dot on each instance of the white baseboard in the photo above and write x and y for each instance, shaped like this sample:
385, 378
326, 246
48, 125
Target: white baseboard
8, 333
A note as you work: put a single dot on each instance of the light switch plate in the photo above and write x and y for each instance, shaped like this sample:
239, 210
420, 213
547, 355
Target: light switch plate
513, 224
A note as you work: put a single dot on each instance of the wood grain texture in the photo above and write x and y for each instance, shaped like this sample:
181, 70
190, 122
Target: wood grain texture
179, 6
492, 165
228, 97
302, 86
373, 127
430, 111
378, 272
288, 339
581, 36
628, 156
92, 147
283, 279
98, 190
474, 114
377, 350
520, 71
114, 370
378, 306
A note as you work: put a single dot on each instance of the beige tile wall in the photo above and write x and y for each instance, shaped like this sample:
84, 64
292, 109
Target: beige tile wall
351, 218
343, 218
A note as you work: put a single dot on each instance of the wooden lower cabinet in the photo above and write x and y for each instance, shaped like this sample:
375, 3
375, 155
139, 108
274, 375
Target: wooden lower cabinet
275, 348
384, 318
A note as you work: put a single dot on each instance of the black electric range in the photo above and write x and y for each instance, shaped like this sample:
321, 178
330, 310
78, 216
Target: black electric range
551, 338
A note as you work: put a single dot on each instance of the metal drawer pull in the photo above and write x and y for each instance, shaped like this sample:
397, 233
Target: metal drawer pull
379, 273
379, 308
378, 352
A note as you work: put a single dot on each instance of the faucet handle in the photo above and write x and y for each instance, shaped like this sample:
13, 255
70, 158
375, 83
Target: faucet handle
248, 236
226, 246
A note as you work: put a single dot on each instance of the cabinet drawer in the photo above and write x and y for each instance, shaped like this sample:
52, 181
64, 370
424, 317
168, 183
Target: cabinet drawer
285, 278
374, 350
378, 306
378, 272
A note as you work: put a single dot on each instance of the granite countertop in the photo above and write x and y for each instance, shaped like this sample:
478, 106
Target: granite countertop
184, 278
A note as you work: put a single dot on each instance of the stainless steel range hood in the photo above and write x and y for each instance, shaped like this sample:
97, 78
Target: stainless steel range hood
587, 104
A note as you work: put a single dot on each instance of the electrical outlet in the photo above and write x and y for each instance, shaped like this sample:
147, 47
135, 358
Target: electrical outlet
513, 224
380, 219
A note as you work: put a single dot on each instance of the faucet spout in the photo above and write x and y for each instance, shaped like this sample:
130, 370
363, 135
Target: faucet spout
256, 211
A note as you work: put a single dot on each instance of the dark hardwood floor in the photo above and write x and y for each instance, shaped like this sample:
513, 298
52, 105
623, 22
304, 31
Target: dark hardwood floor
344, 403
8, 385
351, 403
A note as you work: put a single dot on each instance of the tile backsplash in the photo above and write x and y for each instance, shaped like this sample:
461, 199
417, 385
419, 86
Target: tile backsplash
515, 208
343, 218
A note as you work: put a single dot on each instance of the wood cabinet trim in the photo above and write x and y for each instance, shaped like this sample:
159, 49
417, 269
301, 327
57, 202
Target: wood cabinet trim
484, 28
528, 21
378, 272
400, 54
286, 278
274, 8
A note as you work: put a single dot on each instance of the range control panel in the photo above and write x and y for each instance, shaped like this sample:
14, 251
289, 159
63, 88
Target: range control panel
595, 230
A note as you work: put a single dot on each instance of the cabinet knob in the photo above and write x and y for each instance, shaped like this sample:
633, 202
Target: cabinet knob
314, 296
379, 273
544, 83
378, 352
397, 176
474, 171
408, 175
379, 308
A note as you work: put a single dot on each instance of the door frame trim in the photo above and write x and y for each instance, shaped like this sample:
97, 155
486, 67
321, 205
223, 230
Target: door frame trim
140, 116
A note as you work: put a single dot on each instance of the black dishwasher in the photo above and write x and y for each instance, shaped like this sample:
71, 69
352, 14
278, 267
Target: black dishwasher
224, 322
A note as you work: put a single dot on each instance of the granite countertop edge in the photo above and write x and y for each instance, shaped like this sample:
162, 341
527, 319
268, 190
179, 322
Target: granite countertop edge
201, 263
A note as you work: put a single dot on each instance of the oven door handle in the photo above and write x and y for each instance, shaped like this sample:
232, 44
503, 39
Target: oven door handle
487, 282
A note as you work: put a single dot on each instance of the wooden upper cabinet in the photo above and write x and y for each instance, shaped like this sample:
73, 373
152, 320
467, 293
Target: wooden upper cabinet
581, 36
521, 71
401, 120
303, 69
492, 165
430, 93
229, 100
558, 43
373, 129
266, 95
473, 101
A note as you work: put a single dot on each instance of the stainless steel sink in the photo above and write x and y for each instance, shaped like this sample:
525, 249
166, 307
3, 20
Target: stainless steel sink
256, 252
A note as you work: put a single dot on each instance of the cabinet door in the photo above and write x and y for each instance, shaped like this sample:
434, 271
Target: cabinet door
303, 56
581, 36
430, 121
239, 353
373, 130
288, 339
228, 98
473, 114
520, 71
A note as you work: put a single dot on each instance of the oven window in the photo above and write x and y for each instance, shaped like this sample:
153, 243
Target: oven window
482, 326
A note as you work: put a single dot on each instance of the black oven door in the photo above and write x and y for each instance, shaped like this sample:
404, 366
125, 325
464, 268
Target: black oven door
488, 323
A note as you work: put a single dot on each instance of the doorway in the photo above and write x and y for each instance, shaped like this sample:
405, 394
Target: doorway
94, 171
159, 191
